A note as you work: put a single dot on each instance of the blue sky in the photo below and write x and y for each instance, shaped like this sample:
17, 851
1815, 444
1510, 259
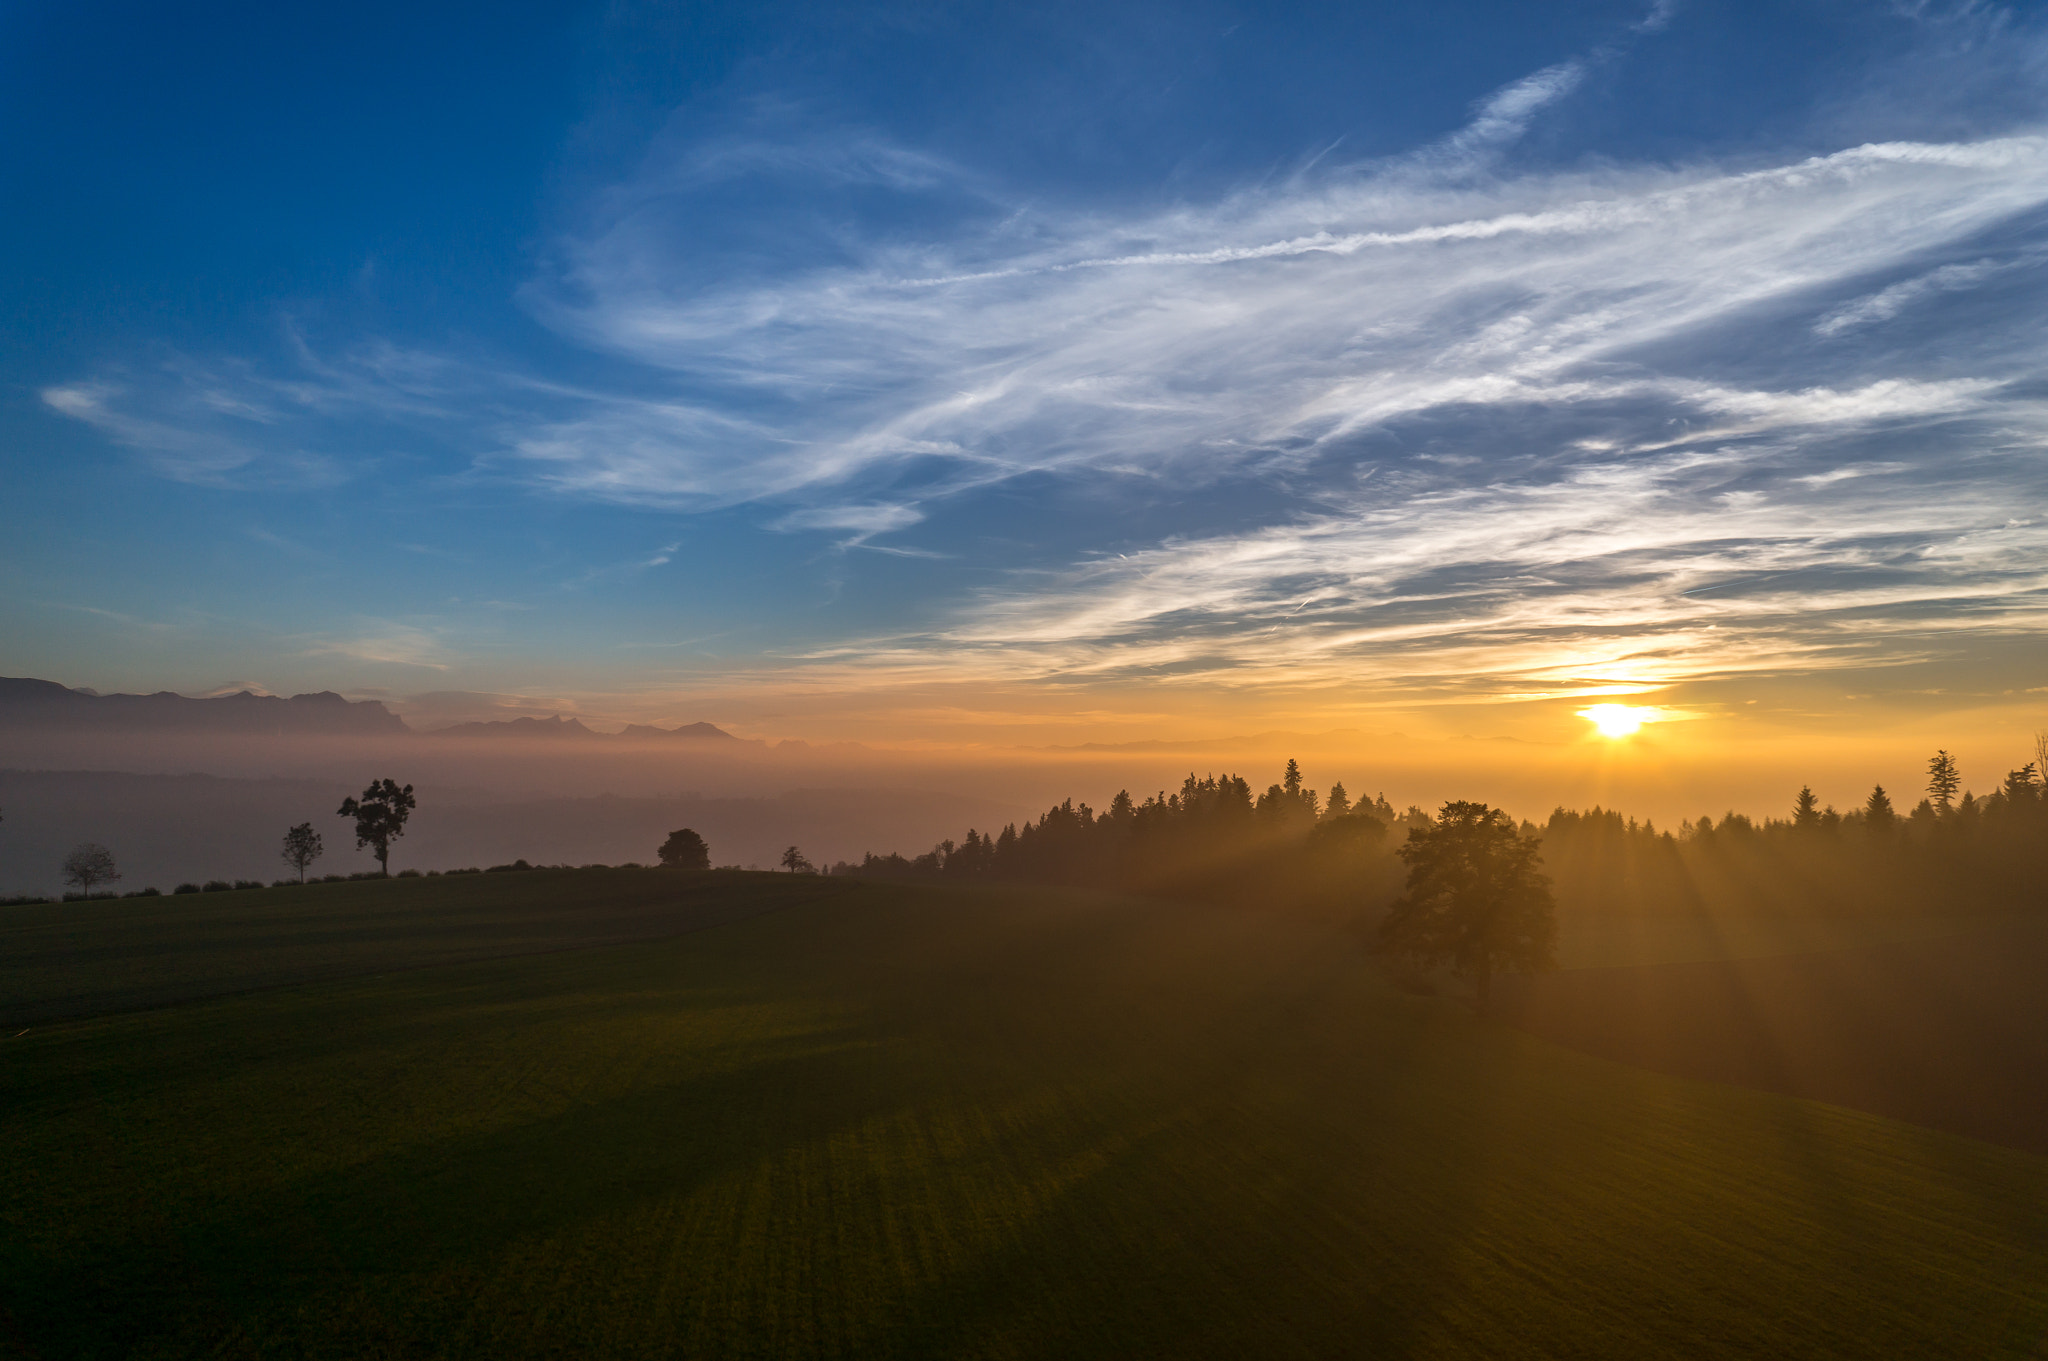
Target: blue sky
926, 369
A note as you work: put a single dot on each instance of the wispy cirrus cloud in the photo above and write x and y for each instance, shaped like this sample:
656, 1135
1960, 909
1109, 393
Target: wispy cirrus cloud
1205, 337
1508, 421
386, 642
1893, 299
1698, 561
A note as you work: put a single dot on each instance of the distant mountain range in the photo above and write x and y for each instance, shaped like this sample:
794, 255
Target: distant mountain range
28, 703
559, 727
45, 705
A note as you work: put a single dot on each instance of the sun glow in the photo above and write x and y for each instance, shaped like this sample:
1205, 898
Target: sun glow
1618, 720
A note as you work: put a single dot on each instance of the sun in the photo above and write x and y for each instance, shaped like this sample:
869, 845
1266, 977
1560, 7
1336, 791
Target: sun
1618, 720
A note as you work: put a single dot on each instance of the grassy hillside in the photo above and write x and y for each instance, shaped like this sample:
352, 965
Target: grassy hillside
892, 1123
1949, 1031
84, 959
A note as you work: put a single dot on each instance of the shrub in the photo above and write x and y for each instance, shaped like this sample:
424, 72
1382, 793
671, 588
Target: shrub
144, 893
186, 888
519, 864
218, 886
332, 879
632, 865
406, 874
248, 883
22, 900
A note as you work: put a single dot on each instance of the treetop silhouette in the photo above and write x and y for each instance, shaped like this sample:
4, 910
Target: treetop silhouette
380, 816
1475, 898
685, 850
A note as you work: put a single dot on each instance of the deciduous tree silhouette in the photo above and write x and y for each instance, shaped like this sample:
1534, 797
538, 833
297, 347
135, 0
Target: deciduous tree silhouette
380, 818
1475, 898
685, 850
302, 847
89, 863
796, 862
1943, 780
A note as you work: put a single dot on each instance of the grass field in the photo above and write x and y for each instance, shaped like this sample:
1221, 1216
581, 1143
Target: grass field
1949, 1031
889, 1122
87, 959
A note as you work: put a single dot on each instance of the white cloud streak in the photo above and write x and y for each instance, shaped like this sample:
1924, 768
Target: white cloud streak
1275, 320
1888, 302
1713, 523
1612, 421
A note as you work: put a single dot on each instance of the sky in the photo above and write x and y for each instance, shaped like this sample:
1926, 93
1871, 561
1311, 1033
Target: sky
944, 374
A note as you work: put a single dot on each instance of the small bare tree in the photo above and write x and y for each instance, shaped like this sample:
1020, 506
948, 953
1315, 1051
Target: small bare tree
301, 848
89, 863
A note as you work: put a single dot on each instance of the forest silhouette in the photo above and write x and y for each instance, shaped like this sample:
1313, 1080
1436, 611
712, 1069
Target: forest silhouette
1215, 840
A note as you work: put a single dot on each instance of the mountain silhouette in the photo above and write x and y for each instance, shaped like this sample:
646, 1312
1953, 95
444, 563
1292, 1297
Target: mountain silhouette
28, 703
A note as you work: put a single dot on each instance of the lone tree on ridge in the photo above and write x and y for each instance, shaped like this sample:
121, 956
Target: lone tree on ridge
796, 862
89, 863
1943, 780
685, 850
380, 818
1475, 898
301, 848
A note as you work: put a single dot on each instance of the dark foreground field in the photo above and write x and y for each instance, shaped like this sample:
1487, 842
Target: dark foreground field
124, 954
888, 1122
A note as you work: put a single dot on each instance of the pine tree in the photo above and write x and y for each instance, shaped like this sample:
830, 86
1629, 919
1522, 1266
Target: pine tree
1943, 781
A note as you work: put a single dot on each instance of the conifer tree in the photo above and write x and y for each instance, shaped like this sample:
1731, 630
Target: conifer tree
1943, 780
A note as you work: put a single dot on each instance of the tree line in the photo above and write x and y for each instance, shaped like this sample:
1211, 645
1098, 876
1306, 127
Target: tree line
1951, 849
1214, 837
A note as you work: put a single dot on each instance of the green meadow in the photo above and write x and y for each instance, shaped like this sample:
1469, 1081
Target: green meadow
639, 1114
